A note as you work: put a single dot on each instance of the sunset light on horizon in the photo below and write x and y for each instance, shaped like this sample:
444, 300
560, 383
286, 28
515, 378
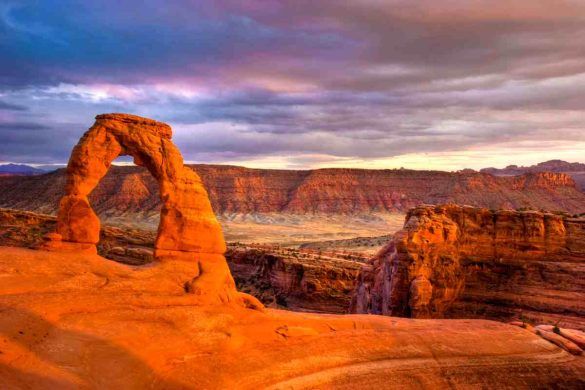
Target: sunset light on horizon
301, 84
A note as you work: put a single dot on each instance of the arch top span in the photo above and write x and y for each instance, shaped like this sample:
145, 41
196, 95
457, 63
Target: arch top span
147, 124
187, 222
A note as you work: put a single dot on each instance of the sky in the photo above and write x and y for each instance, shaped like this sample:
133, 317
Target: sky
428, 84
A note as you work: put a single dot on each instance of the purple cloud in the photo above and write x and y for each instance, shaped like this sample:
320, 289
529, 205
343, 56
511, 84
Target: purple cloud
364, 80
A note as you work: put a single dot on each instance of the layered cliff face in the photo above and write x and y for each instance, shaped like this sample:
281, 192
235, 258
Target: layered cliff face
460, 262
575, 170
296, 280
133, 193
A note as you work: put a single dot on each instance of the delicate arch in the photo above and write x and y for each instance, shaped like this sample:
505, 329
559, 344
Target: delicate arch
187, 223
188, 233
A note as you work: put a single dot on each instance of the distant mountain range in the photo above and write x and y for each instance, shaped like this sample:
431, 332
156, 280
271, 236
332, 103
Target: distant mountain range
130, 192
575, 170
19, 169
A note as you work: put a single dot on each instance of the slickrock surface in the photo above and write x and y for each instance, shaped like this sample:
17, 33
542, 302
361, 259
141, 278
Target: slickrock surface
79, 321
461, 262
132, 192
300, 280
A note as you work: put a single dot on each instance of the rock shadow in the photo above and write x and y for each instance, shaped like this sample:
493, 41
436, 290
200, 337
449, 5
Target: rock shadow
93, 362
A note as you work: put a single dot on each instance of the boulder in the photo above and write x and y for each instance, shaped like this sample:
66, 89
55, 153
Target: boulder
574, 335
560, 341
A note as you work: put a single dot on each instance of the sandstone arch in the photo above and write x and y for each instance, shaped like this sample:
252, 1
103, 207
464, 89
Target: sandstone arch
188, 229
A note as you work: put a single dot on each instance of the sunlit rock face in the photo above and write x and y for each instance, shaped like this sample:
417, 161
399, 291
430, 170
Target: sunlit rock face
78, 321
457, 261
187, 221
131, 194
188, 230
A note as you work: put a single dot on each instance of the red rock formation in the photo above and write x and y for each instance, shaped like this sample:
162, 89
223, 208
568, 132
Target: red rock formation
187, 222
454, 261
575, 170
300, 280
132, 192
188, 229
78, 321
293, 279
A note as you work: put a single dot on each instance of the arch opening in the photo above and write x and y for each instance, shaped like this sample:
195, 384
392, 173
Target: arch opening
127, 197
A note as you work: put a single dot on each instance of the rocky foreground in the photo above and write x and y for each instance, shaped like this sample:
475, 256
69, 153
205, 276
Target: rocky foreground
71, 320
301, 280
465, 262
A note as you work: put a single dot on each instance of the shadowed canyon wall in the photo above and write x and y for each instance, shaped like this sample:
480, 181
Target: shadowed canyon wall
293, 279
461, 262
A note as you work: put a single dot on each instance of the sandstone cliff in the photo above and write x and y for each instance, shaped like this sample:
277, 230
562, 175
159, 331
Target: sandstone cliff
460, 262
299, 280
575, 170
133, 193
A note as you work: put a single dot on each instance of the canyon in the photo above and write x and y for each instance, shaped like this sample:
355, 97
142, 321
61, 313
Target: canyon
462, 262
288, 207
506, 266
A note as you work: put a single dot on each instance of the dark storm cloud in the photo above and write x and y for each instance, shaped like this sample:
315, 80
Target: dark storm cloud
11, 107
349, 79
22, 126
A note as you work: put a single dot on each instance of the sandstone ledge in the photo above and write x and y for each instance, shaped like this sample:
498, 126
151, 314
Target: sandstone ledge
71, 321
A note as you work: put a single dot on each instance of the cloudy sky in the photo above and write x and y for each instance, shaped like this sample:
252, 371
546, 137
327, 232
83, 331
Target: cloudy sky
427, 84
